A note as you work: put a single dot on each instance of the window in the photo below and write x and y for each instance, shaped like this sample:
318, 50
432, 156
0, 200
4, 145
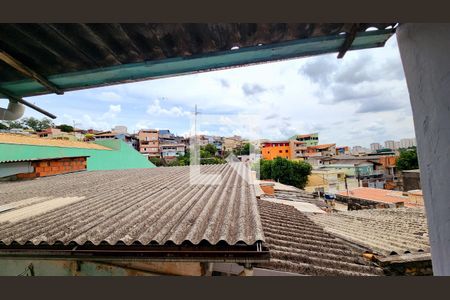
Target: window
281, 151
287, 151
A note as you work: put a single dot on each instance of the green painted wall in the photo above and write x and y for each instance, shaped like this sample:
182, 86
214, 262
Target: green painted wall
121, 156
350, 170
314, 141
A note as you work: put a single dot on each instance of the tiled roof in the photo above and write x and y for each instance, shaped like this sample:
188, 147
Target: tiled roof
145, 206
36, 141
384, 231
323, 146
299, 245
379, 195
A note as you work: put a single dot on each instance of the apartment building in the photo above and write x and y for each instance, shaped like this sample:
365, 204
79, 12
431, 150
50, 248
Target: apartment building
298, 149
390, 144
231, 143
273, 149
322, 150
375, 146
149, 142
407, 143
311, 139
342, 150
171, 150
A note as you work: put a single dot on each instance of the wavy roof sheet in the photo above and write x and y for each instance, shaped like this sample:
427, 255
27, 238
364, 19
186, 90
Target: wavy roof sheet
146, 206
384, 231
299, 245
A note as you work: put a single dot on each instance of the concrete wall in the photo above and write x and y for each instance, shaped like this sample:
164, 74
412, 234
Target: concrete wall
411, 181
425, 54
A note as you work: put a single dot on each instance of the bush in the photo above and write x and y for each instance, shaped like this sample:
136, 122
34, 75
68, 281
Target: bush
285, 171
156, 161
408, 160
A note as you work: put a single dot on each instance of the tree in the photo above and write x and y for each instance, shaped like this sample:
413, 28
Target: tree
14, 124
3, 126
211, 149
408, 160
36, 124
288, 172
243, 150
65, 128
155, 160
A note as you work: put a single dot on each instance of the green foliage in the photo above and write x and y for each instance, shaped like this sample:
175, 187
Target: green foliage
36, 124
244, 150
29, 123
212, 161
211, 149
65, 128
3, 126
13, 124
156, 161
408, 160
205, 159
288, 172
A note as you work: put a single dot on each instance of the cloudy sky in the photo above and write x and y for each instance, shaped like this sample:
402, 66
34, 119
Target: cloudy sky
352, 101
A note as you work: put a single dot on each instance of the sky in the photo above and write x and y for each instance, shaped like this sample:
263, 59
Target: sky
356, 100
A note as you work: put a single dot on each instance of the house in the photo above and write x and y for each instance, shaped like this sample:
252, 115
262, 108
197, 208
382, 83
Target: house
298, 149
311, 139
126, 137
342, 150
101, 155
231, 143
171, 151
149, 142
273, 149
329, 180
351, 169
322, 150
48, 132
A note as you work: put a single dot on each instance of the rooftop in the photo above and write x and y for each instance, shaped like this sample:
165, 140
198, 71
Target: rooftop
382, 231
299, 245
275, 142
323, 146
36, 141
128, 208
379, 195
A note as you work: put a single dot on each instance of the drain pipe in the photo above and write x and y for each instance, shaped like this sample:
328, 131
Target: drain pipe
14, 111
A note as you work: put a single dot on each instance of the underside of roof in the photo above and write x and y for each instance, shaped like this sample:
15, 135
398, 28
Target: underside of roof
52, 58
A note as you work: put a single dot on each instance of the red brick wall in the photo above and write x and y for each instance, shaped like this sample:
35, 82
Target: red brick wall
49, 167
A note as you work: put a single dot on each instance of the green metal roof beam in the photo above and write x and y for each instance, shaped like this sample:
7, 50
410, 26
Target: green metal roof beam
199, 63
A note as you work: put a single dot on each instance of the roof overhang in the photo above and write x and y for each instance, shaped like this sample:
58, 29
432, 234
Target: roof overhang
181, 65
198, 253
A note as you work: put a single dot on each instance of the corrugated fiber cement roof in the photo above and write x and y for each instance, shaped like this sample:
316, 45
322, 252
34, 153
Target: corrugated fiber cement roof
141, 207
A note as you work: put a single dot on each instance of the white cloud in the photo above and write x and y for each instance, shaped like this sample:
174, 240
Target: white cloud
156, 109
109, 96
